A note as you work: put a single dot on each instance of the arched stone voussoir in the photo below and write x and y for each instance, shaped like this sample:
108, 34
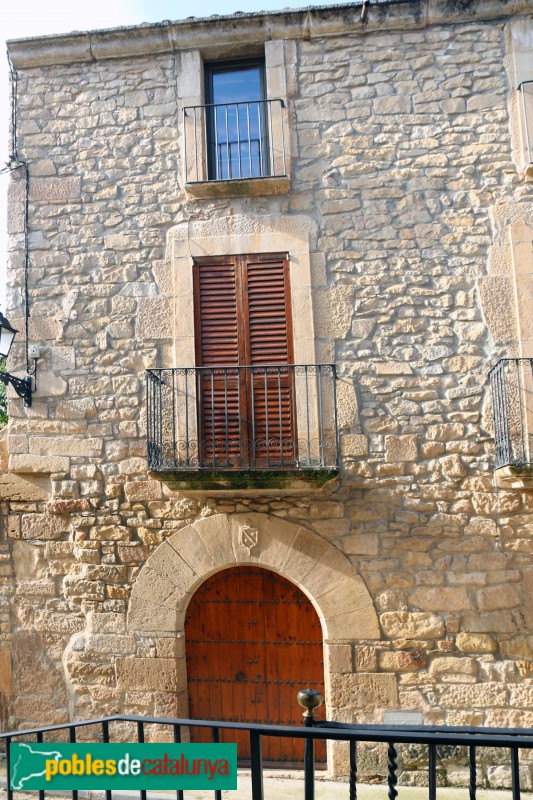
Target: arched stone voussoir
177, 567
164, 579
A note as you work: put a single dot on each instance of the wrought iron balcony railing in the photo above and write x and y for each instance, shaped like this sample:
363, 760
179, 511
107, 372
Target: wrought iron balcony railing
267, 417
234, 141
511, 381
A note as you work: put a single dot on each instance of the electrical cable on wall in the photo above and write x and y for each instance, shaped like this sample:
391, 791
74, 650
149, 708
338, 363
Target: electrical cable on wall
15, 163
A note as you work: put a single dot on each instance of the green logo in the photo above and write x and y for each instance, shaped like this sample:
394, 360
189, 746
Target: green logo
123, 766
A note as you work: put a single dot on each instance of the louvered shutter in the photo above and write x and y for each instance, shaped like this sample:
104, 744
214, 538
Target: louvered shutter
220, 406
246, 414
269, 346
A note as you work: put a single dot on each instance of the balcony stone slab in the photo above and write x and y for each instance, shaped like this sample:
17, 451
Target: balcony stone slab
241, 187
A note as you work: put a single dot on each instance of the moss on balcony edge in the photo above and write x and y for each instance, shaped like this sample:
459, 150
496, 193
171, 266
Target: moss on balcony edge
204, 480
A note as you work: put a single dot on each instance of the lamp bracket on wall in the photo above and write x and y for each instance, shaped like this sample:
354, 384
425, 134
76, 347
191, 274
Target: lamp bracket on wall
22, 386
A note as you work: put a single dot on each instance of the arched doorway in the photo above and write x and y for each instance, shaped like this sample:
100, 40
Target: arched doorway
253, 640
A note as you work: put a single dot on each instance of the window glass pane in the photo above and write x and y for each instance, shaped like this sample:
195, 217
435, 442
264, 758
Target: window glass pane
238, 123
237, 85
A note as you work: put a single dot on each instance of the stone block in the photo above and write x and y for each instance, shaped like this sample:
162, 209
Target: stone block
45, 329
494, 598
453, 467
333, 310
402, 661
43, 526
451, 664
14, 487
361, 544
521, 696
68, 506
66, 446
332, 527
393, 368
50, 385
518, 647
400, 448
74, 586
110, 643
392, 104
85, 408
347, 410
143, 490
475, 643
498, 304
38, 464
156, 674
155, 319
354, 445
145, 617
6, 675
412, 625
56, 190
131, 552
483, 695
339, 658
121, 241
489, 622
52, 190
363, 691
440, 599
366, 658
500, 777
106, 622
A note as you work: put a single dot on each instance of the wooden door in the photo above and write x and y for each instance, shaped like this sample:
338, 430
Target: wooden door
253, 640
244, 349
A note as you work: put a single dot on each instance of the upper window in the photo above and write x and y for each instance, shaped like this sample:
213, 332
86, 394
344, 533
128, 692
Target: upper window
237, 120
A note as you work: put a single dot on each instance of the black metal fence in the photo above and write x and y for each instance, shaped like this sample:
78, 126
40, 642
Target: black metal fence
511, 382
232, 141
264, 417
125, 728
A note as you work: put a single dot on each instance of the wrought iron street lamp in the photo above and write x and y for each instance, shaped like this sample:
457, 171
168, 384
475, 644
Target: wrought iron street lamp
22, 386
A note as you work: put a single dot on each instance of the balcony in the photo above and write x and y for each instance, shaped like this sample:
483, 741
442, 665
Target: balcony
526, 113
235, 148
511, 382
261, 418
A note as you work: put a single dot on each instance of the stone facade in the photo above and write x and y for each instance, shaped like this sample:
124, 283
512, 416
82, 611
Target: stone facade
408, 221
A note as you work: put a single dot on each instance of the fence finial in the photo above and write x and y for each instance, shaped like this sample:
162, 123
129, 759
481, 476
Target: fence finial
309, 699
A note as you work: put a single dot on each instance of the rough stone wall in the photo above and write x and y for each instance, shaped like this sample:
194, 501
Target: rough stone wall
402, 156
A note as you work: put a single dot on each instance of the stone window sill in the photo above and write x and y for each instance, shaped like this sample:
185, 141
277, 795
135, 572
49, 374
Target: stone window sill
242, 187
519, 478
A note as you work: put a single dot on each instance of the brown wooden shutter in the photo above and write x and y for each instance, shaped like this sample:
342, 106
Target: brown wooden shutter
217, 345
243, 319
268, 303
269, 343
217, 337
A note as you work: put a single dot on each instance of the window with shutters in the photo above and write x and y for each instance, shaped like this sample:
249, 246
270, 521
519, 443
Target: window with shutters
246, 398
